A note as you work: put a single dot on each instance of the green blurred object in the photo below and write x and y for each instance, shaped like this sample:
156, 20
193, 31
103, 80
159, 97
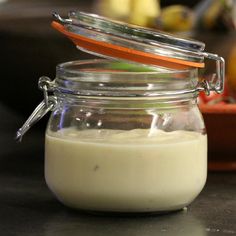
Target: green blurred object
129, 67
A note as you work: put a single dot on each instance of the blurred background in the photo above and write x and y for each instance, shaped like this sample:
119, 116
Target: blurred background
30, 48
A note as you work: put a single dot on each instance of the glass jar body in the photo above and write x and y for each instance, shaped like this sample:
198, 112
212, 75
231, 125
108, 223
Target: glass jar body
126, 155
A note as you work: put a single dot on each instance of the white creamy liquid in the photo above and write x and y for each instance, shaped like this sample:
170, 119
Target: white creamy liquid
127, 171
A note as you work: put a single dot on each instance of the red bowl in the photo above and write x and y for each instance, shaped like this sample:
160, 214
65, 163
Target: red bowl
220, 123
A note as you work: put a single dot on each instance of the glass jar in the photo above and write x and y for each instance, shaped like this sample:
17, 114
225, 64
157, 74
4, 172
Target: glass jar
124, 138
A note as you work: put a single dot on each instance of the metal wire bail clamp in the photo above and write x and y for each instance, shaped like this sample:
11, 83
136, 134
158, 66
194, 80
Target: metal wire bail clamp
48, 104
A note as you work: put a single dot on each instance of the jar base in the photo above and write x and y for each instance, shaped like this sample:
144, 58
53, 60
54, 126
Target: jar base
127, 214
124, 213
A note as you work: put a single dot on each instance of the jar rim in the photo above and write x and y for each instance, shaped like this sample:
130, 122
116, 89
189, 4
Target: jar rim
109, 78
127, 69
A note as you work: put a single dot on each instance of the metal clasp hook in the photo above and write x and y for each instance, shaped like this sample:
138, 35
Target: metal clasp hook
216, 83
46, 85
42, 109
60, 19
217, 80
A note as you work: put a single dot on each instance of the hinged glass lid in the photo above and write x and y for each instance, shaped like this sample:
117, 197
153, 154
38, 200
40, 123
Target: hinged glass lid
109, 38
112, 39
137, 33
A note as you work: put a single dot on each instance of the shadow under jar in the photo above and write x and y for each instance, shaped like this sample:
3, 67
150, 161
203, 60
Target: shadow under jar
125, 138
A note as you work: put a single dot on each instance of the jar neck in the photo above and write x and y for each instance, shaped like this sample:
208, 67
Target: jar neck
164, 102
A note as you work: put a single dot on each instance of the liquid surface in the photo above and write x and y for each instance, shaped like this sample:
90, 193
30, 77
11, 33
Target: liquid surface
128, 171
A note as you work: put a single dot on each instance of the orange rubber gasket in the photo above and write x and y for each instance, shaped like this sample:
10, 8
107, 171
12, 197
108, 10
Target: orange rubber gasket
129, 54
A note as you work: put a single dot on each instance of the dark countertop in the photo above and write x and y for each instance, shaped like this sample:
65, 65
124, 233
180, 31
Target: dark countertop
27, 207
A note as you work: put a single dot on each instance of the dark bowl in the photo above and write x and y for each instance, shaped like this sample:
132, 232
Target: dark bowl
220, 123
